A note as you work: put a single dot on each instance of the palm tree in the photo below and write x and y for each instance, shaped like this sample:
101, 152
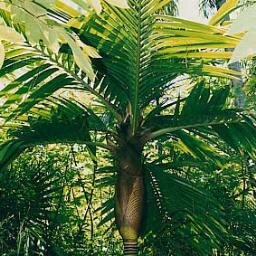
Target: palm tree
142, 53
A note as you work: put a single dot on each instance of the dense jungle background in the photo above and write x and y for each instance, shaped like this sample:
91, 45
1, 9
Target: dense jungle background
112, 105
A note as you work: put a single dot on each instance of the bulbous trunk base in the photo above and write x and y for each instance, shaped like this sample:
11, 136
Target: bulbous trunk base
129, 205
129, 197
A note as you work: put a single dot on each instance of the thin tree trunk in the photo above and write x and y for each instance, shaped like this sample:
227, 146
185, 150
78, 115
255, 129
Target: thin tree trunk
129, 197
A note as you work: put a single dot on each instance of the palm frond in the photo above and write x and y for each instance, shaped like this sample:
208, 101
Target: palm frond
29, 195
223, 11
206, 112
37, 74
68, 123
142, 51
180, 204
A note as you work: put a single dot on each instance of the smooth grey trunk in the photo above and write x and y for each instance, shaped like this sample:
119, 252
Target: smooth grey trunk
240, 97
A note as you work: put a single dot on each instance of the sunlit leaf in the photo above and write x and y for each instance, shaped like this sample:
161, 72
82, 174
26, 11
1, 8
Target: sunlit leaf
96, 5
222, 13
81, 58
1, 54
64, 7
10, 35
75, 23
119, 3
91, 51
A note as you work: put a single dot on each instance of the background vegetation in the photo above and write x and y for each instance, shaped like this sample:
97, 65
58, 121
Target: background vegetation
60, 123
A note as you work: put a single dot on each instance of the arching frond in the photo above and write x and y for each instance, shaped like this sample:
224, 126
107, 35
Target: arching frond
182, 206
37, 74
142, 51
68, 123
224, 9
204, 113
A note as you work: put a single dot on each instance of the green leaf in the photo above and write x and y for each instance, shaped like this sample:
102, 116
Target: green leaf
171, 200
1, 54
65, 122
226, 9
81, 58
119, 3
10, 35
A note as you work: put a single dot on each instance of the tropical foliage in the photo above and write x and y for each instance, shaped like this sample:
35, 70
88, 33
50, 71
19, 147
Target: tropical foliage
95, 83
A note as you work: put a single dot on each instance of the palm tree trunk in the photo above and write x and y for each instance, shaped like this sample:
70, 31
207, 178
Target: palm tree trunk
129, 197
130, 248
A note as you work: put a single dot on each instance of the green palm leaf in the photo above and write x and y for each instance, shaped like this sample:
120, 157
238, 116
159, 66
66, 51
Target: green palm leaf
204, 112
179, 202
154, 49
68, 123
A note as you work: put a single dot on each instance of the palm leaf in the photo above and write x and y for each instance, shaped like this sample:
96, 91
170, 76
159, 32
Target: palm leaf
30, 194
37, 75
179, 202
224, 11
206, 113
68, 123
154, 49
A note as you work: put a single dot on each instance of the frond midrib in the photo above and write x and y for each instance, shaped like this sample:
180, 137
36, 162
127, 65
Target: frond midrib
52, 59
